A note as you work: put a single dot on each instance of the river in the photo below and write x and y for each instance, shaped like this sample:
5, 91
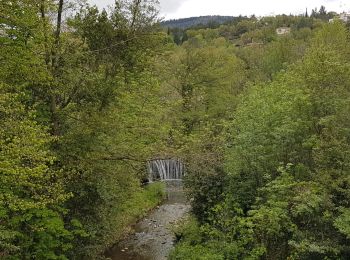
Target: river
153, 238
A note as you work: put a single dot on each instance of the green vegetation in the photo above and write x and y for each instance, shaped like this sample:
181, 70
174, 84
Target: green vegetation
78, 112
282, 189
260, 119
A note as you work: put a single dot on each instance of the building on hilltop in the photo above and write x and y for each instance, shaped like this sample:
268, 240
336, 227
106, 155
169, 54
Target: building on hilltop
283, 30
344, 16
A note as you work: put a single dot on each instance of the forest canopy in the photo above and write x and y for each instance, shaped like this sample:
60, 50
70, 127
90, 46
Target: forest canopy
259, 118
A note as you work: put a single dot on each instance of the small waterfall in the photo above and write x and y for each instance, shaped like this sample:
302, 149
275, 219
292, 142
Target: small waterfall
165, 169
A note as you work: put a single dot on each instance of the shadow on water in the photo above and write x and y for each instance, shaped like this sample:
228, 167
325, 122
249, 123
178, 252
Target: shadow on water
153, 238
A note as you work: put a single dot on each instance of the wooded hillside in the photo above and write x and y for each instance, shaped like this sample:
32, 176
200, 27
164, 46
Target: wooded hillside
259, 119
186, 23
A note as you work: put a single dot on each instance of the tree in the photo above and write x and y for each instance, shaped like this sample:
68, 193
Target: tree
294, 130
203, 78
32, 192
91, 93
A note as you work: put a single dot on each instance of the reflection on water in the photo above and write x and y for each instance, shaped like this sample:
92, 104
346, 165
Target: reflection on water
153, 238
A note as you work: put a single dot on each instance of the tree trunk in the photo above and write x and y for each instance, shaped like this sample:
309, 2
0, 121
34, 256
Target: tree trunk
55, 68
57, 36
43, 19
135, 12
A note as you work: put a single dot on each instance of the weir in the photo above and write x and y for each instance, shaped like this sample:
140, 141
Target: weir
165, 169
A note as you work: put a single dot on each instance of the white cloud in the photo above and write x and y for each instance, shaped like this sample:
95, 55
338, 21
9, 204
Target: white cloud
187, 8
257, 7
167, 6
171, 6
101, 3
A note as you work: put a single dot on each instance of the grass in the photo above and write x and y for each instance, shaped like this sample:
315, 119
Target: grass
143, 201
189, 246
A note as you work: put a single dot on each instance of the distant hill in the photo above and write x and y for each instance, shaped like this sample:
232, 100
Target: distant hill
185, 23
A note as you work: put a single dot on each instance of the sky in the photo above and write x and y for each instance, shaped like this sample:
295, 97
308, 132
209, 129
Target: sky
171, 9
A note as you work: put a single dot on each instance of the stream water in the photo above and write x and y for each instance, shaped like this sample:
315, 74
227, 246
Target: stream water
153, 237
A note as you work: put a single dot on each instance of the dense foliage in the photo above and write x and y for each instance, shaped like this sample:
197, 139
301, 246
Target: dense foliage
79, 112
282, 189
260, 120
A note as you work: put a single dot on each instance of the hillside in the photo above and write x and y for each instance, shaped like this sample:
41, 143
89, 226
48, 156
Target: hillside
185, 23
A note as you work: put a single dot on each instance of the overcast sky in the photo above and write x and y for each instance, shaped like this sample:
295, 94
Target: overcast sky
186, 8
